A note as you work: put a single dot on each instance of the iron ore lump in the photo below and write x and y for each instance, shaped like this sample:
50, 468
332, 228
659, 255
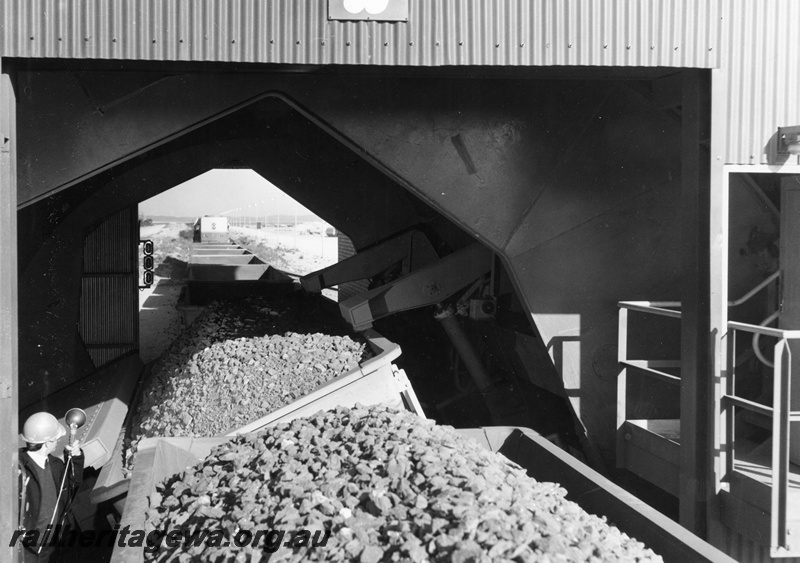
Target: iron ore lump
236, 363
389, 486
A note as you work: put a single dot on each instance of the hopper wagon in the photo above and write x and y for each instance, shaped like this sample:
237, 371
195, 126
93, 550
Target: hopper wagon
576, 219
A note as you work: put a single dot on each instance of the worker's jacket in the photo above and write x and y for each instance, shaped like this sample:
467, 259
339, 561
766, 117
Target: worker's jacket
32, 493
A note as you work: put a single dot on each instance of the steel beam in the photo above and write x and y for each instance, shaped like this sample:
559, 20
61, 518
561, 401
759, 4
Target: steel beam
428, 286
412, 248
790, 298
8, 314
695, 338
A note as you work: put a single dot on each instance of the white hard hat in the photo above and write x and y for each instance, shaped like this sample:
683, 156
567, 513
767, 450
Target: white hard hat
42, 427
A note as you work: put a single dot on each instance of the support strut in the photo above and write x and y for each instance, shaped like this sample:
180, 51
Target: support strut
447, 319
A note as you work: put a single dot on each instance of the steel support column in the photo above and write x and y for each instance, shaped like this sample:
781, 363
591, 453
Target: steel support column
790, 298
8, 315
695, 341
718, 301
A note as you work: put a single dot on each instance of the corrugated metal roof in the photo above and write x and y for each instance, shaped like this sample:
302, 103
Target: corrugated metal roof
761, 77
669, 33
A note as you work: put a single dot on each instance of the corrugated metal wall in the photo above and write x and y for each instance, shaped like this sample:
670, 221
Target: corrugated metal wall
750, 41
670, 33
109, 310
761, 64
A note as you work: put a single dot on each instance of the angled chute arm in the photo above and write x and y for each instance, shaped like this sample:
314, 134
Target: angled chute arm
427, 286
412, 248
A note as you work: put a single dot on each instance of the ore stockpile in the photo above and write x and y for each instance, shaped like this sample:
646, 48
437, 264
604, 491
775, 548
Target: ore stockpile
239, 361
389, 486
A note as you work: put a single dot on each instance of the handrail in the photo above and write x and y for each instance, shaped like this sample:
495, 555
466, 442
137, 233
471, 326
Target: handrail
655, 307
744, 298
782, 333
643, 366
782, 416
658, 307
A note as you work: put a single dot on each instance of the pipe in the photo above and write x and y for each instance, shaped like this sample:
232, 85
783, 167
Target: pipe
450, 325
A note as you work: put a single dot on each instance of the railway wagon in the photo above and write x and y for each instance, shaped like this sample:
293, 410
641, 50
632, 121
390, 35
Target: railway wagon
211, 230
590, 206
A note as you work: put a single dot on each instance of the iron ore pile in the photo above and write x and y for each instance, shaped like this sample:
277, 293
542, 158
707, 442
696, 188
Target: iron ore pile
239, 361
387, 486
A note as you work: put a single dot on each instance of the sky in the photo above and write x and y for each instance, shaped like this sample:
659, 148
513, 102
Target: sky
218, 191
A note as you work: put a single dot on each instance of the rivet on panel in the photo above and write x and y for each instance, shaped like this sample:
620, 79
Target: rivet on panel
437, 43
569, 45
411, 43
522, 44
676, 48
385, 43
628, 47
271, 41
460, 42
233, 40
154, 40
711, 48
61, 39
652, 47
31, 37
113, 40
86, 39
605, 46
496, 45
322, 43
297, 43
348, 43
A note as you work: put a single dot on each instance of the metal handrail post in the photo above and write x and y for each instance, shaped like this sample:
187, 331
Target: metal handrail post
780, 444
622, 382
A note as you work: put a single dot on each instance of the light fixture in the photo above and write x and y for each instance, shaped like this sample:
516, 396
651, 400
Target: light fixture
789, 140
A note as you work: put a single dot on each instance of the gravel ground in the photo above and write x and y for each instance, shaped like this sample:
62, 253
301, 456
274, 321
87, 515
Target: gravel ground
240, 361
388, 486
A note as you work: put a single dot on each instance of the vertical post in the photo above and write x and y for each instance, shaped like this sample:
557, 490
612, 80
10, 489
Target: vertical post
790, 289
718, 301
695, 341
622, 385
9, 370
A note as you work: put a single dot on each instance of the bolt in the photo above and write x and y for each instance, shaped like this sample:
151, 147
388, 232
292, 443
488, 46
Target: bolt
628, 436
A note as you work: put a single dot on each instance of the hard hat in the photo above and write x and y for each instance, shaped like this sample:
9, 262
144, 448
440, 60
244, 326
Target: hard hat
42, 427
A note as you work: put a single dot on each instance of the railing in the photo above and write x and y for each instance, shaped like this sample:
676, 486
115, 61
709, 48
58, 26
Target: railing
780, 412
781, 415
647, 367
650, 368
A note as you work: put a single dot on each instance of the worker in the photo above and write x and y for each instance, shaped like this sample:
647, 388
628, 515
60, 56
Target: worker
47, 484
